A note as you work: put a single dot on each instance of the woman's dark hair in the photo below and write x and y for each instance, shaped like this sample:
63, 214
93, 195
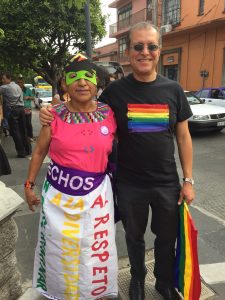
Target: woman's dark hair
60, 90
102, 77
7, 75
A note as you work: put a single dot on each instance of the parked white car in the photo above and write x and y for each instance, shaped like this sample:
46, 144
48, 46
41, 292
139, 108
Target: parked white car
205, 117
214, 96
29, 86
42, 97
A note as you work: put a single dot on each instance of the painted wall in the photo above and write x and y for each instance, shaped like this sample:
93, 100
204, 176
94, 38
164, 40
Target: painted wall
105, 50
213, 9
138, 5
200, 50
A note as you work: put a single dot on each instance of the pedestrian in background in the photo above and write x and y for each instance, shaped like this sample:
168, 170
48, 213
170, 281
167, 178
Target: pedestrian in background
4, 121
14, 105
102, 79
5, 168
28, 98
62, 95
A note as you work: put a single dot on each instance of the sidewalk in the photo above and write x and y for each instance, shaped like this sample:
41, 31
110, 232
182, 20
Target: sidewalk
211, 241
211, 249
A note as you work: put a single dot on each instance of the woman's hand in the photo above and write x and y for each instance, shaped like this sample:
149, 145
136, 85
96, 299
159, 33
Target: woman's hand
31, 199
46, 116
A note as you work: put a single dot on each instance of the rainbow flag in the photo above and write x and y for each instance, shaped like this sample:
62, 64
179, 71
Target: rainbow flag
148, 117
187, 277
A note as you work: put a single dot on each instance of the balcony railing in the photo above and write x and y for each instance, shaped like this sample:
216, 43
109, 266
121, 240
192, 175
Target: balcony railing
121, 58
112, 29
142, 15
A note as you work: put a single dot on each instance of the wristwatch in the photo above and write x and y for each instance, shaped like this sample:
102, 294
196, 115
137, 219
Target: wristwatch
190, 180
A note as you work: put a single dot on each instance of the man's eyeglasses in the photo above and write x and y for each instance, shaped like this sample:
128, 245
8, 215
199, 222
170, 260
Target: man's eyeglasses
140, 47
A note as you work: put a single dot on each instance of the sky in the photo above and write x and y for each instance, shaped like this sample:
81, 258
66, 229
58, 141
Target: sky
110, 20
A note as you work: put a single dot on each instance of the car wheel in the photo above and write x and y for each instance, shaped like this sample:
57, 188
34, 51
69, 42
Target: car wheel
218, 129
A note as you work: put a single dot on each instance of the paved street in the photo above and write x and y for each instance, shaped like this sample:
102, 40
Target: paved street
208, 211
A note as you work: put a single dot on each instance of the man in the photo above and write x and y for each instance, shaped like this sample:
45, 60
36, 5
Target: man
149, 110
13, 104
27, 98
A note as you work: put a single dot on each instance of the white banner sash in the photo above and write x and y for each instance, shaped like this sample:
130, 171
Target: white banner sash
76, 257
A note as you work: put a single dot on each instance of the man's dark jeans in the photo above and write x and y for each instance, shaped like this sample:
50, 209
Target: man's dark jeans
134, 203
17, 124
29, 127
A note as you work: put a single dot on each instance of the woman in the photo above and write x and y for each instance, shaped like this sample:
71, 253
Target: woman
62, 95
76, 253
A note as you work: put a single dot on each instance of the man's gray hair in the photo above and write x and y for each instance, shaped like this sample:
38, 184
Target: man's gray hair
139, 26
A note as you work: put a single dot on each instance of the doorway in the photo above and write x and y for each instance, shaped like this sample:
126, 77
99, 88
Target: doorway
223, 74
171, 72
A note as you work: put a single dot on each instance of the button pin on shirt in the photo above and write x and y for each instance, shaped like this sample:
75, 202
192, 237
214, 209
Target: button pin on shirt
104, 130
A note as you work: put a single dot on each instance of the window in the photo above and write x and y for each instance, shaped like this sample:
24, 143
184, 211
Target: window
171, 12
201, 7
124, 16
223, 92
204, 94
149, 6
122, 46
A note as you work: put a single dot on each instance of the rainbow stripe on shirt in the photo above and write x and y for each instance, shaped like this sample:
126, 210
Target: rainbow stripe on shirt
148, 117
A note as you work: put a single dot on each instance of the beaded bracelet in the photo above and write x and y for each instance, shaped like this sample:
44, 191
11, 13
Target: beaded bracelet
29, 184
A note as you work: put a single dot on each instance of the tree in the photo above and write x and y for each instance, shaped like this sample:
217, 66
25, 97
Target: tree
1, 33
77, 3
40, 34
16, 70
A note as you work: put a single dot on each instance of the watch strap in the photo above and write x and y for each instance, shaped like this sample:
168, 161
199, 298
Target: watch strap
190, 180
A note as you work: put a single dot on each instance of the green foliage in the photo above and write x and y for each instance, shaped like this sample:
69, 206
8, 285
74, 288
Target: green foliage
40, 35
6, 65
1, 33
77, 3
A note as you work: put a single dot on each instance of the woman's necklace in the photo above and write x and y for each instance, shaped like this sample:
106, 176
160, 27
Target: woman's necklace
77, 108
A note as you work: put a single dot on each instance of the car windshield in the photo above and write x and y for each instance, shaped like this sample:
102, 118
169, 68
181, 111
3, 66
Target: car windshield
44, 94
192, 99
41, 81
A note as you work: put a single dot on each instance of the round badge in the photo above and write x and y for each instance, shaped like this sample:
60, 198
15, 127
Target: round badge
104, 130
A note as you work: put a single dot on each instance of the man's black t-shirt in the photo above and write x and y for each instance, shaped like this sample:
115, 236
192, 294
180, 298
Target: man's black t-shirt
146, 115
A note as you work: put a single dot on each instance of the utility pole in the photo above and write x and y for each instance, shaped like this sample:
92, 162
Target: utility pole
88, 29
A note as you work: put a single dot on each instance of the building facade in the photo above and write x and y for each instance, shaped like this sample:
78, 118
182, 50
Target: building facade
128, 13
193, 38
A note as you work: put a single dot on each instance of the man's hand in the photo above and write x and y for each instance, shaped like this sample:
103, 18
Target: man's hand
187, 193
45, 116
28, 98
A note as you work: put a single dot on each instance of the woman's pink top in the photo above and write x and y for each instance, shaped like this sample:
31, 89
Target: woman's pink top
82, 140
